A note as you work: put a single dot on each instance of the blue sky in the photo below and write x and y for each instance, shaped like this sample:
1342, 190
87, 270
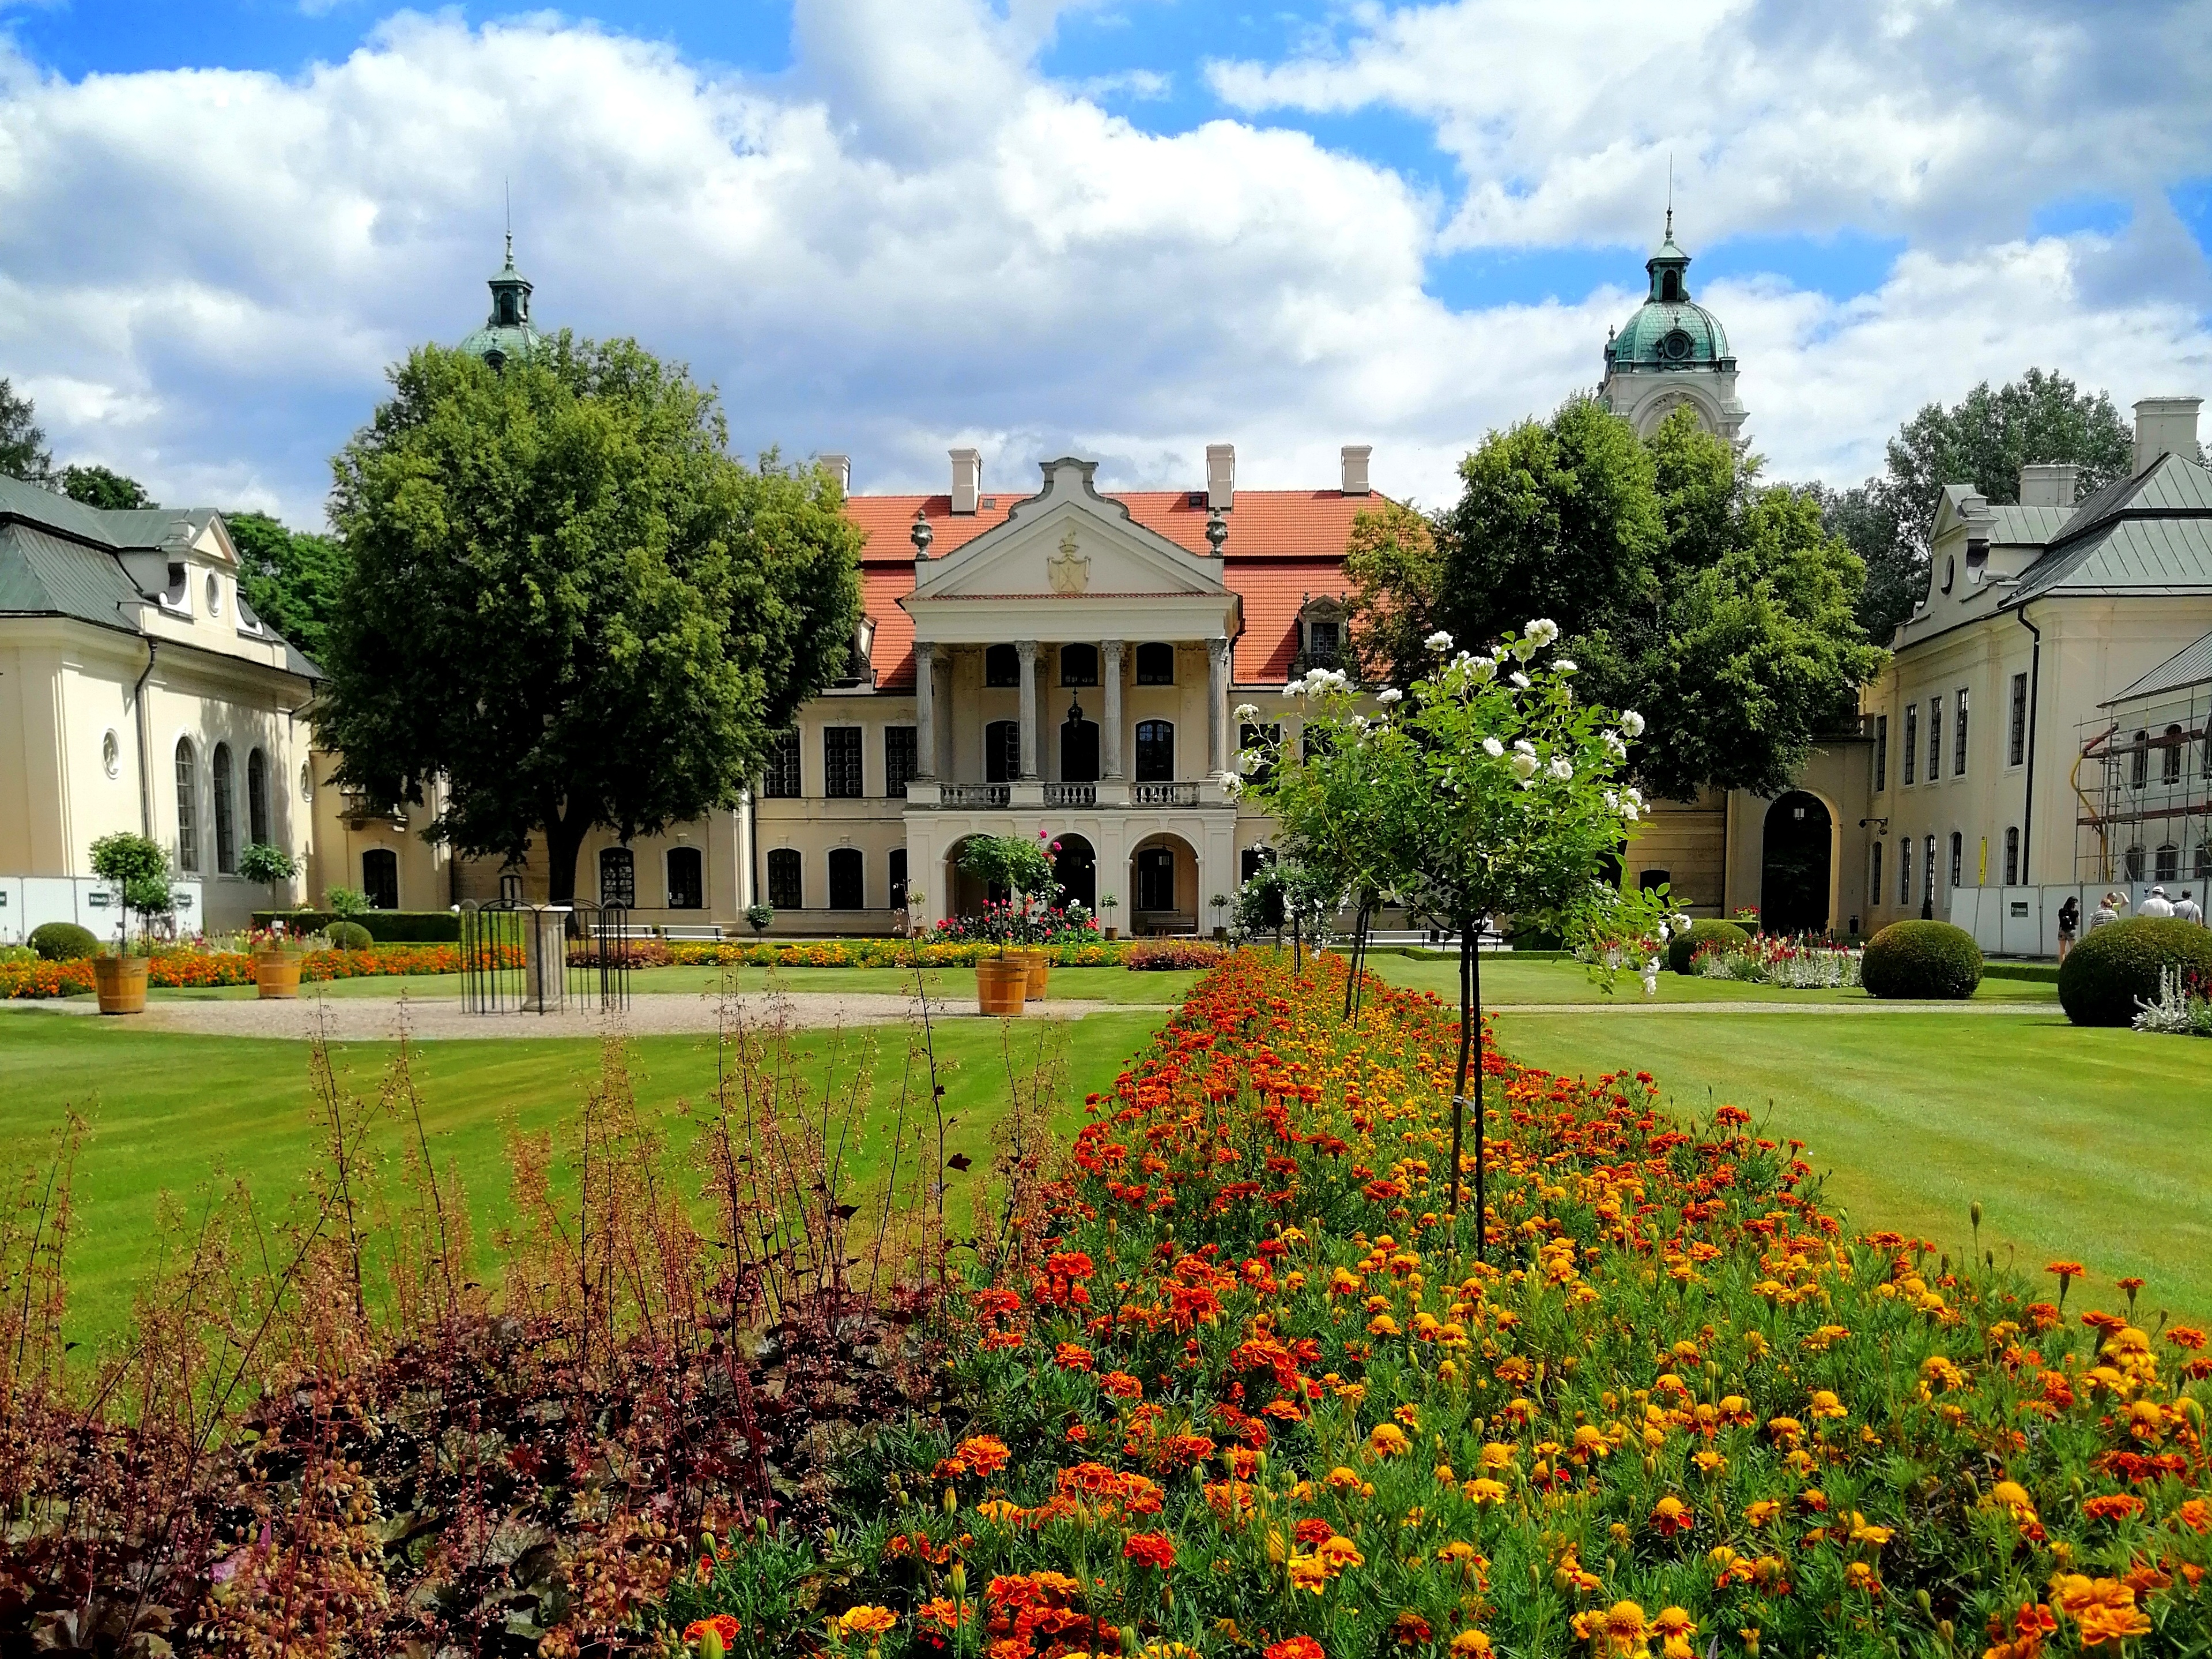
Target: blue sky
890, 226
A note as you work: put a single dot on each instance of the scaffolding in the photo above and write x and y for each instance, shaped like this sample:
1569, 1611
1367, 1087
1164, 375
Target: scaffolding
2143, 788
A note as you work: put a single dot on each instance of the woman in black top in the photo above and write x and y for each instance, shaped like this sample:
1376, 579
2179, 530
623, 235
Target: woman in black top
2070, 923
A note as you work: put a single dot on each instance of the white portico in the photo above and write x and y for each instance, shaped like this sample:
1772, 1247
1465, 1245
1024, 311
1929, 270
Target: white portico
1071, 596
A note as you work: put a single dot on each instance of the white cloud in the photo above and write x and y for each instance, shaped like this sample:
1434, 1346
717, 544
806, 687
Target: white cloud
912, 239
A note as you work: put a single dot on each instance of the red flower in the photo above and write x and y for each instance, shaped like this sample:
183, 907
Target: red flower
1295, 1647
1149, 1549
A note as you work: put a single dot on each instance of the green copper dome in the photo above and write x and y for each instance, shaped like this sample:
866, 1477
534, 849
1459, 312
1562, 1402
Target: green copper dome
1668, 331
507, 335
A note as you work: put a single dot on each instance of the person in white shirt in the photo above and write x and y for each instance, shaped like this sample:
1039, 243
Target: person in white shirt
2104, 912
2186, 909
2156, 905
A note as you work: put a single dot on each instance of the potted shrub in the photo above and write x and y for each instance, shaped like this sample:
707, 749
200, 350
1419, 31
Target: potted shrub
138, 871
1020, 865
1110, 904
757, 917
275, 953
1220, 902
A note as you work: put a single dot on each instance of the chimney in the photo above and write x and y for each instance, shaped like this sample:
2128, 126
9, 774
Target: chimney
2047, 483
967, 479
839, 467
1220, 478
2166, 425
1354, 461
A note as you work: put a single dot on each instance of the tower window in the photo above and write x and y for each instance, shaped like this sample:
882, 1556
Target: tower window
1670, 288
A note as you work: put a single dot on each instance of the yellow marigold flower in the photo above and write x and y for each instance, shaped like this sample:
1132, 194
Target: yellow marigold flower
1338, 1554
1485, 1492
1675, 1627
1382, 1325
1500, 1455
1762, 1511
1865, 1532
1471, 1645
1408, 1416
1825, 1405
1340, 1478
1710, 1462
1388, 1440
870, 1622
1309, 1572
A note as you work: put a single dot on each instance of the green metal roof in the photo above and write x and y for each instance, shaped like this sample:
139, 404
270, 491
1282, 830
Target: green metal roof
2147, 535
507, 335
1670, 330
42, 575
2190, 666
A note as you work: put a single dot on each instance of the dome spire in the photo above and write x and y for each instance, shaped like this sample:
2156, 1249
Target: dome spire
506, 333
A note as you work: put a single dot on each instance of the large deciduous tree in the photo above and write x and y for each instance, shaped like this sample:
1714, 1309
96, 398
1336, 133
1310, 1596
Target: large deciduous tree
565, 600
294, 579
102, 487
1983, 439
22, 445
1721, 607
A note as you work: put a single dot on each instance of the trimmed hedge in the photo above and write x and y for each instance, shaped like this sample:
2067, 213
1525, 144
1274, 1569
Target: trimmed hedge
2037, 973
1683, 946
351, 936
63, 941
2118, 966
1922, 959
385, 927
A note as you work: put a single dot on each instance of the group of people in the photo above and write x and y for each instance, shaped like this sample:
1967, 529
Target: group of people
2109, 908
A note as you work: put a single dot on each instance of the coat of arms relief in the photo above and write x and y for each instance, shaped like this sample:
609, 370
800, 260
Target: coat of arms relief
1068, 571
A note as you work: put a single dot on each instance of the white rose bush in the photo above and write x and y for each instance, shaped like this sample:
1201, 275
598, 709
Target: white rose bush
1486, 788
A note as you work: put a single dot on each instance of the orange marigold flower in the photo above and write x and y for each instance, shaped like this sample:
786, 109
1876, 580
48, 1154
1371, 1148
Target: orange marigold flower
1121, 1385
1410, 1629
1295, 1647
1312, 1530
1470, 1645
865, 1621
2114, 1506
2186, 1336
724, 1625
1071, 1356
947, 1615
1149, 1549
982, 1453
1388, 1440
2196, 1514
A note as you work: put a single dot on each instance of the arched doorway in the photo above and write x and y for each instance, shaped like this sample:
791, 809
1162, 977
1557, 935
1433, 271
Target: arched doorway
966, 894
1076, 870
1079, 747
1162, 886
1793, 895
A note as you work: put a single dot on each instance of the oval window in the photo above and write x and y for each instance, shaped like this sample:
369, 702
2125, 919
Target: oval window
306, 782
111, 754
1950, 572
1676, 344
214, 597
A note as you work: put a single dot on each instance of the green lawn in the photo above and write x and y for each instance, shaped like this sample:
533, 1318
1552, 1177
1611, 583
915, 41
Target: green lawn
2090, 1145
171, 1112
1081, 984
1507, 983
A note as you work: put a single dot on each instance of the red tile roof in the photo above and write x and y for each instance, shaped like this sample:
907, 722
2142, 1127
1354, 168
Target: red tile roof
1284, 544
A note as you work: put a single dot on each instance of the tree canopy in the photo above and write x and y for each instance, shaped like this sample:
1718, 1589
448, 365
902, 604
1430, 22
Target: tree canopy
1722, 607
1983, 439
563, 599
22, 445
293, 578
102, 487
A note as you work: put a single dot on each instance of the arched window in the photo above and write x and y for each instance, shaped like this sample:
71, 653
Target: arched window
2167, 862
1002, 751
2139, 761
1958, 858
1154, 751
257, 796
2012, 856
845, 879
783, 867
188, 807
380, 877
1670, 288
618, 876
224, 788
1874, 875
1156, 664
2135, 863
898, 878
1929, 871
2203, 865
2169, 760
687, 879
1079, 664
1904, 869
1002, 665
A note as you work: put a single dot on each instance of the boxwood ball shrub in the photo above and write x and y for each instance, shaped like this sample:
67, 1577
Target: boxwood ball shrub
351, 936
1683, 946
1922, 959
64, 941
2114, 969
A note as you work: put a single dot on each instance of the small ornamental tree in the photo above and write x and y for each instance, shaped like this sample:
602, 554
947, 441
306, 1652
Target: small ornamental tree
138, 870
1486, 788
1020, 865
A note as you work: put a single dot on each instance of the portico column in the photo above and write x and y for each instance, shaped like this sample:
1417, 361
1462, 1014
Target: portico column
1216, 711
924, 709
1112, 758
1027, 650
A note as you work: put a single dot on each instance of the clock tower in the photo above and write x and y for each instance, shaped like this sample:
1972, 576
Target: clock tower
1672, 354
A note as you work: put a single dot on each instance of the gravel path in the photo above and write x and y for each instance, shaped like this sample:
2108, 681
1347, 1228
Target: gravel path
2018, 1006
358, 1020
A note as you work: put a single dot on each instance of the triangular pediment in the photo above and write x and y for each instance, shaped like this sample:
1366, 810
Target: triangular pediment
1068, 541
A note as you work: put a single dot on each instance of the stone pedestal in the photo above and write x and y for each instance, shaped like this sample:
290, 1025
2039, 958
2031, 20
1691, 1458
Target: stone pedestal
545, 960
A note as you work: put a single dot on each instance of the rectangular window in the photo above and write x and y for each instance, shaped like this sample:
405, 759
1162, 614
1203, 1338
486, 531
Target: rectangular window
687, 879
845, 890
1935, 739
783, 867
1927, 872
618, 876
2016, 739
1881, 753
1958, 858
1904, 869
2012, 856
380, 877
1265, 738
900, 762
1911, 740
780, 779
1874, 877
1959, 736
840, 762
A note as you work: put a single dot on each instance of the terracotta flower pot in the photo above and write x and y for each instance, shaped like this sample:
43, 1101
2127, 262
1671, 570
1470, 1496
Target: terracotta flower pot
121, 983
999, 985
1039, 965
277, 975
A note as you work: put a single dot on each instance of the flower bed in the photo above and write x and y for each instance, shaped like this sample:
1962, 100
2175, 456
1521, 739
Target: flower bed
2184, 1007
1797, 964
881, 953
190, 968
1268, 1403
